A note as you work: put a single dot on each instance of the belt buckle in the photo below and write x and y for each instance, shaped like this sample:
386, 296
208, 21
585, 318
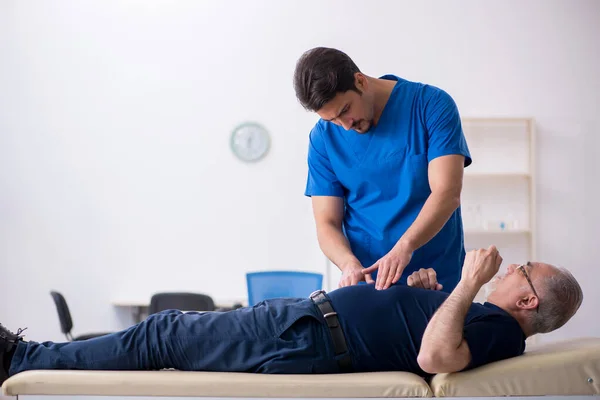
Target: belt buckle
316, 292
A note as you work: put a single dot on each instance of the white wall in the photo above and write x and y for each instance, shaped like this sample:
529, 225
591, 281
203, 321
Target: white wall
115, 171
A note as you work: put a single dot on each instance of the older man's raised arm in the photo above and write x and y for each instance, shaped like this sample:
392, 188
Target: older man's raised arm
444, 348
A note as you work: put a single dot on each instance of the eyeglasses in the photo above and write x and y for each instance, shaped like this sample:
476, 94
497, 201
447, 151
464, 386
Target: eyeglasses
523, 271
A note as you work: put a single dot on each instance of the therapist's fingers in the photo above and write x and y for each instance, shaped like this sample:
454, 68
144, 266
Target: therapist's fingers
397, 275
369, 278
391, 275
382, 275
379, 275
372, 268
439, 286
344, 281
393, 268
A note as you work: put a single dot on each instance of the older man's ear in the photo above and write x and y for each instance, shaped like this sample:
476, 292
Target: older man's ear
425, 279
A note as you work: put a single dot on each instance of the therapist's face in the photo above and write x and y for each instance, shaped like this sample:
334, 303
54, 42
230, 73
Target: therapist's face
351, 110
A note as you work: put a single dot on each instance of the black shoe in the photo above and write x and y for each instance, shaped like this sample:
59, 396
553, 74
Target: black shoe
8, 345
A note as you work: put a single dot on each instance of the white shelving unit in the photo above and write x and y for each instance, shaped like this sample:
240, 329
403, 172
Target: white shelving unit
498, 198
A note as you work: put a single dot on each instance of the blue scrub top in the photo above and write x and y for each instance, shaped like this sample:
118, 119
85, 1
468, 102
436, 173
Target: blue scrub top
382, 176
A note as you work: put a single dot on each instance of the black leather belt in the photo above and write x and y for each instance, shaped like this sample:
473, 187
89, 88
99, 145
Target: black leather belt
337, 335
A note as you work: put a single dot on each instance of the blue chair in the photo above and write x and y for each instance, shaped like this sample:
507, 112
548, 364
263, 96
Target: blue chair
273, 284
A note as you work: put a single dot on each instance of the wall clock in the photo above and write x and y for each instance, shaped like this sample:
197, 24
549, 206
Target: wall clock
250, 141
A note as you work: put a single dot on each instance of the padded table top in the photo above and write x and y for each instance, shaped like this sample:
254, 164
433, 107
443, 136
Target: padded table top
569, 367
215, 384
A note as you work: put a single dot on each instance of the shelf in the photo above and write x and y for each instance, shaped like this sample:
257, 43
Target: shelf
496, 121
497, 175
497, 232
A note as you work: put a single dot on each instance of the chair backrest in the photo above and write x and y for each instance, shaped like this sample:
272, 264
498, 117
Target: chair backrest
272, 284
64, 315
180, 301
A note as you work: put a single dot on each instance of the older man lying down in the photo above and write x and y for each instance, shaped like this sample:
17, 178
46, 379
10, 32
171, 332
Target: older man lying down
404, 328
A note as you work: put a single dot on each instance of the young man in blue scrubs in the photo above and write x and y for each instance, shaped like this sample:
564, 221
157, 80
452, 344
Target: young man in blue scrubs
385, 169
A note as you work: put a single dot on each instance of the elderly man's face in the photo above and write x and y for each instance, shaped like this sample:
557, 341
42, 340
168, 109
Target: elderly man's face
509, 287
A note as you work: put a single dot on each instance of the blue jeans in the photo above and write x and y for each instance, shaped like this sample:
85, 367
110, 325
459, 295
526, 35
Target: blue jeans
275, 336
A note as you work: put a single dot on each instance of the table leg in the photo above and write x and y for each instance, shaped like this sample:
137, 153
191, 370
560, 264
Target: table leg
138, 313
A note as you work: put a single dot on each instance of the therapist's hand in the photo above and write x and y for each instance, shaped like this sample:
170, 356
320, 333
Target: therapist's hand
390, 267
424, 278
352, 274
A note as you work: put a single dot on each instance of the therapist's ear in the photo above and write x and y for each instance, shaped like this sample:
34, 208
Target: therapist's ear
361, 82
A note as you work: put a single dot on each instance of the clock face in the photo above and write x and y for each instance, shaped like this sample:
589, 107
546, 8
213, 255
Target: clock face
250, 142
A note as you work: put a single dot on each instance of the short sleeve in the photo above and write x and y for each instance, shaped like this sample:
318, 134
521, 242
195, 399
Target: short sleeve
493, 338
322, 180
444, 128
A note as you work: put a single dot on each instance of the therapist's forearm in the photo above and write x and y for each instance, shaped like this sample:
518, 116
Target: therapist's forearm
435, 213
335, 246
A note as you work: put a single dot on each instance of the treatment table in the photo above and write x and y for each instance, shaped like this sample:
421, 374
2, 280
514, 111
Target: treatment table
566, 369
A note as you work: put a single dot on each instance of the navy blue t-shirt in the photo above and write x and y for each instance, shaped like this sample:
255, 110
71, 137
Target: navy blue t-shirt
384, 328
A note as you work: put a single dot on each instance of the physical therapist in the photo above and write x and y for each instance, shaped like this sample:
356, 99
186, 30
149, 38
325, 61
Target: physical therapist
385, 172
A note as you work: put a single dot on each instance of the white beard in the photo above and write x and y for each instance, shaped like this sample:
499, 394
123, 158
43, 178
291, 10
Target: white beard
489, 288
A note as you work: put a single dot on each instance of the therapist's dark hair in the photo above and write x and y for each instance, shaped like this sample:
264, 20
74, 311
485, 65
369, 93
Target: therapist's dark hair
321, 73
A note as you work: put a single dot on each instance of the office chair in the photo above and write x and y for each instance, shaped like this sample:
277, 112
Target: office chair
273, 284
180, 301
66, 322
